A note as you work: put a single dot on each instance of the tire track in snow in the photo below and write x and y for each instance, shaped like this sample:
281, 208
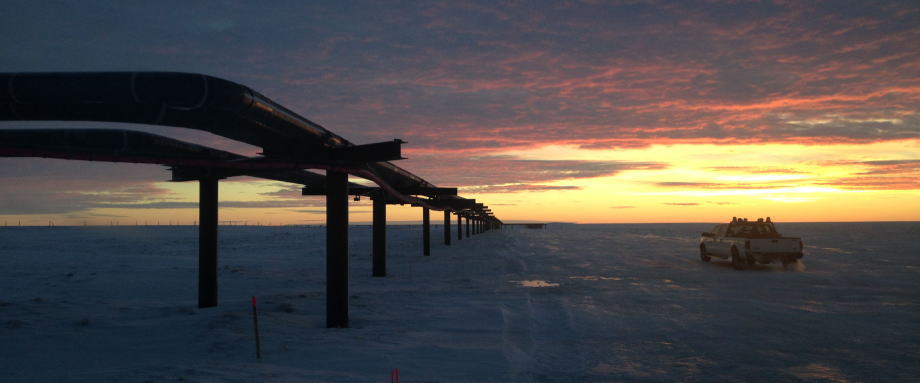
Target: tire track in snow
557, 356
540, 337
517, 341
517, 314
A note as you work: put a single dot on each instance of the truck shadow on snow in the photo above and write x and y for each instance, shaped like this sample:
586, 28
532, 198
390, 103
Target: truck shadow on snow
773, 267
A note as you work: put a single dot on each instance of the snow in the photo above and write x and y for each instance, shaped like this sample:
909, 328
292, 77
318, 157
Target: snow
594, 303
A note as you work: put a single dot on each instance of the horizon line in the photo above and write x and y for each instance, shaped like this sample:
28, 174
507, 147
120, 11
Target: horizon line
414, 223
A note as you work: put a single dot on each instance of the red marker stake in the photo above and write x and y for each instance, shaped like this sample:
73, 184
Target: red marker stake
255, 325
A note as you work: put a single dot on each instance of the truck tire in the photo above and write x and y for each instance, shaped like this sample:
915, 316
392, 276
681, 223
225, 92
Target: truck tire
751, 261
737, 263
703, 255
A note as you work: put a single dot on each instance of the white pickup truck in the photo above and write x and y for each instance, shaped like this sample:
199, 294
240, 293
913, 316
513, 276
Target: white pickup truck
749, 242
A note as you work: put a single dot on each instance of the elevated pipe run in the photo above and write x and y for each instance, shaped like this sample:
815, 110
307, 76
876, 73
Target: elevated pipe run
194, 101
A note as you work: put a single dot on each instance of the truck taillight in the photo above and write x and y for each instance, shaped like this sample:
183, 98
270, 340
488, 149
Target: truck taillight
747, 244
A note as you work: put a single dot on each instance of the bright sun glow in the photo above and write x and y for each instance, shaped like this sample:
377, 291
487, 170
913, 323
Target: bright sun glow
682, 183
711, 182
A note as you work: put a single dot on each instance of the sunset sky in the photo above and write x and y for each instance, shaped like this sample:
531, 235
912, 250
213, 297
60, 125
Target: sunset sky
575, 111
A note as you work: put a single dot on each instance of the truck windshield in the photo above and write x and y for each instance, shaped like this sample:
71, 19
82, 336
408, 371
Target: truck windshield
752, 230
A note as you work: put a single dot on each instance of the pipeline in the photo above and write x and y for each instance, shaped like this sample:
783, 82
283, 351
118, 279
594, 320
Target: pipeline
193, 101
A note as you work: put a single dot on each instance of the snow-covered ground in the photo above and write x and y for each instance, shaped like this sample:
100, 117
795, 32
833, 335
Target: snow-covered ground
566, 304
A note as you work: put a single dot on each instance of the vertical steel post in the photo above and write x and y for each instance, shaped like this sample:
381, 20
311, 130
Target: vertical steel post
459, 227
207, 242
336, 249
426, 232
380, 235
467, 226
447, 227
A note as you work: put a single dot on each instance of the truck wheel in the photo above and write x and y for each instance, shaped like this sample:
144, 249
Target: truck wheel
736, 260
703, 255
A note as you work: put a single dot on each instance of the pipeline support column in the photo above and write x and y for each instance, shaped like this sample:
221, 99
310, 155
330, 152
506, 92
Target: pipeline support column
426, 232
380, 235
447, 227
336, 249
207, 242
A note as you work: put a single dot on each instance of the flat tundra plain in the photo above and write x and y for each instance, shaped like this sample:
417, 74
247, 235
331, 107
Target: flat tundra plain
569, 303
